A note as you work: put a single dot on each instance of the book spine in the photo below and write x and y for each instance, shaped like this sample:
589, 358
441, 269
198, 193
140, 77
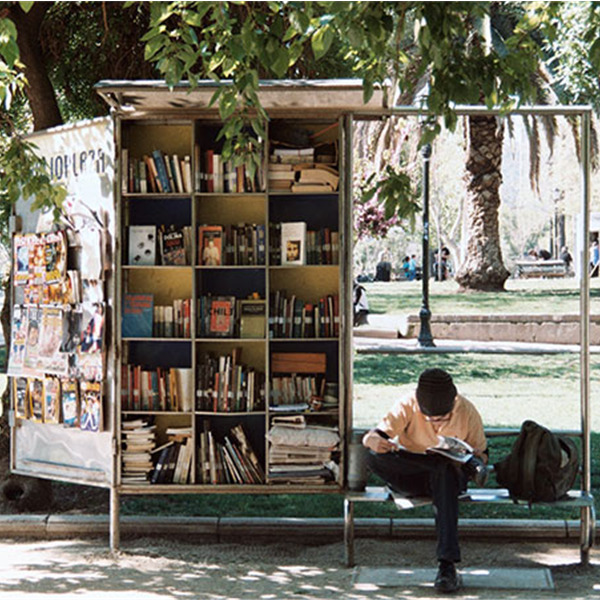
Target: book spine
161, 170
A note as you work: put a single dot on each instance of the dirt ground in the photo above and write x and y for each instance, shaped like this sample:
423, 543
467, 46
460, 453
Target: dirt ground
149, 569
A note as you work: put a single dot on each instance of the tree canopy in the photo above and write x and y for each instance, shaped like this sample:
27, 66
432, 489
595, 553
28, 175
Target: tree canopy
438, 54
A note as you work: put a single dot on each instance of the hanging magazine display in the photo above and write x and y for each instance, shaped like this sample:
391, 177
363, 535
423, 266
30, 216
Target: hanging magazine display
53, 335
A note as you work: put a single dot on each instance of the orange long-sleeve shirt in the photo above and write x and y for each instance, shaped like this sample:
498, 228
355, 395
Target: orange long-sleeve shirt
409, 426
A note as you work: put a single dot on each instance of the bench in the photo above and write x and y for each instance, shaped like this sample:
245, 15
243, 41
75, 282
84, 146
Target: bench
576, 498
540, 268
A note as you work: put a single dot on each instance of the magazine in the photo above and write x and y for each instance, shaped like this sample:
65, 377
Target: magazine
452, 448
51, 399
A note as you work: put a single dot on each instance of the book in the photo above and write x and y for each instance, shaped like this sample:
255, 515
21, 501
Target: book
161, 169
452, 448
318, 175
90, 418
293, 243
52, 399
35, 393
55, 256
210, 245
221, 316
137, 317
21, 397
252, 318
70, 402
18, 341
142, 245
92, 334
23, 246
171, 241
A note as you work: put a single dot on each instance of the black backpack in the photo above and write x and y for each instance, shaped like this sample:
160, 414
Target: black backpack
541, 466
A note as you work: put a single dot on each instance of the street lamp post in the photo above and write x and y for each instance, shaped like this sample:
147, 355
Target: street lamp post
425, 338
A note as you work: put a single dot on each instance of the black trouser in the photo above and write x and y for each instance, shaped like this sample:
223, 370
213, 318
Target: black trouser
426, 475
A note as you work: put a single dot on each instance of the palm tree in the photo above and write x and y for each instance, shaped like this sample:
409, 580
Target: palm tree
483, 268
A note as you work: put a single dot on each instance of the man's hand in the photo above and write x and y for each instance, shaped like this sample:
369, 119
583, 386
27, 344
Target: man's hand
374, 441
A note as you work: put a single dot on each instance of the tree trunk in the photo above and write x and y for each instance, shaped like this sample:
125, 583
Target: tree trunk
28, 493
39, 90
483, 268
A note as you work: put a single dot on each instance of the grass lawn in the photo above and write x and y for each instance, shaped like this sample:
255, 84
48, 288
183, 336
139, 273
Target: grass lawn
522, 296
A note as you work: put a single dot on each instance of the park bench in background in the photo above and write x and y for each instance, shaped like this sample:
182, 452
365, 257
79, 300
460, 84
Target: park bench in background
540, 268
576, 499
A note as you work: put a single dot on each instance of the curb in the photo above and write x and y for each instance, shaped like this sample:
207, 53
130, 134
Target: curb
221, 529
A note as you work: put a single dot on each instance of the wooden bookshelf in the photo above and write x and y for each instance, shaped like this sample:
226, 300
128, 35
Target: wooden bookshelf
232, 375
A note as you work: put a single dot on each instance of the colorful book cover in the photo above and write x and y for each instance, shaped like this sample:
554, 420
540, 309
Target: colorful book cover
21, 397
55, 256
293, 243
51, 400
91, 406
172, 246
93, 328
70, 402
221, 316
36, 399
137, 315
18, 342
210, 245
23, 246
142, 245
34, 315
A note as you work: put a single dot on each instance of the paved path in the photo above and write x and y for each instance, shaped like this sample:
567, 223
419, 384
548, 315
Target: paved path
151, 569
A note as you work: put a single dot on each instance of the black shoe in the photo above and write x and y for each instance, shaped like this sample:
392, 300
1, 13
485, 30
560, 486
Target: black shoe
477, 471
447, 579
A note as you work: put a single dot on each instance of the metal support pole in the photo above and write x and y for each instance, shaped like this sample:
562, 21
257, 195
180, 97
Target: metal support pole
114, 533
425, 338
584, 327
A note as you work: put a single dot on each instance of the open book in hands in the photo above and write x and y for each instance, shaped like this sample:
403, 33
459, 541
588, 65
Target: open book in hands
452, 448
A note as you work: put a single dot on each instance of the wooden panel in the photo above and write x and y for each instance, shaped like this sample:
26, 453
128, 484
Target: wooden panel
298, 362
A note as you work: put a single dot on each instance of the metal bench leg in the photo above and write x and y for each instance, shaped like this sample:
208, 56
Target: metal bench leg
349, 531
587, 533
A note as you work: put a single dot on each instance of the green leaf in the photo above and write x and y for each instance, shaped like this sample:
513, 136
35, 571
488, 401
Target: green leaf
26, 6
195, 17
154, 46
594, 54
280, 62
321, 41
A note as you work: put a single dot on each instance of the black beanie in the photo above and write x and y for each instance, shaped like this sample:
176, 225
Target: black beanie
435, 392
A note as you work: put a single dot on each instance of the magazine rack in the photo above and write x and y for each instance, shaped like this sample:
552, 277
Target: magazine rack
201, 280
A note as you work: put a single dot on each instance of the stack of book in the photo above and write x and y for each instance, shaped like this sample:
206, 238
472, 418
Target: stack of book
227, 385
158, 389
315, 179
301, 453
292, 317
138, 439
156, 173
281, 177
230, 460
173, 459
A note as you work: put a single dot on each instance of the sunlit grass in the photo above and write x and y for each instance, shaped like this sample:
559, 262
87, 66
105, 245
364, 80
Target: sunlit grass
522, 296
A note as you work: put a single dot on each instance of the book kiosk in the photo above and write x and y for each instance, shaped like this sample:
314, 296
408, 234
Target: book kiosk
186, 326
